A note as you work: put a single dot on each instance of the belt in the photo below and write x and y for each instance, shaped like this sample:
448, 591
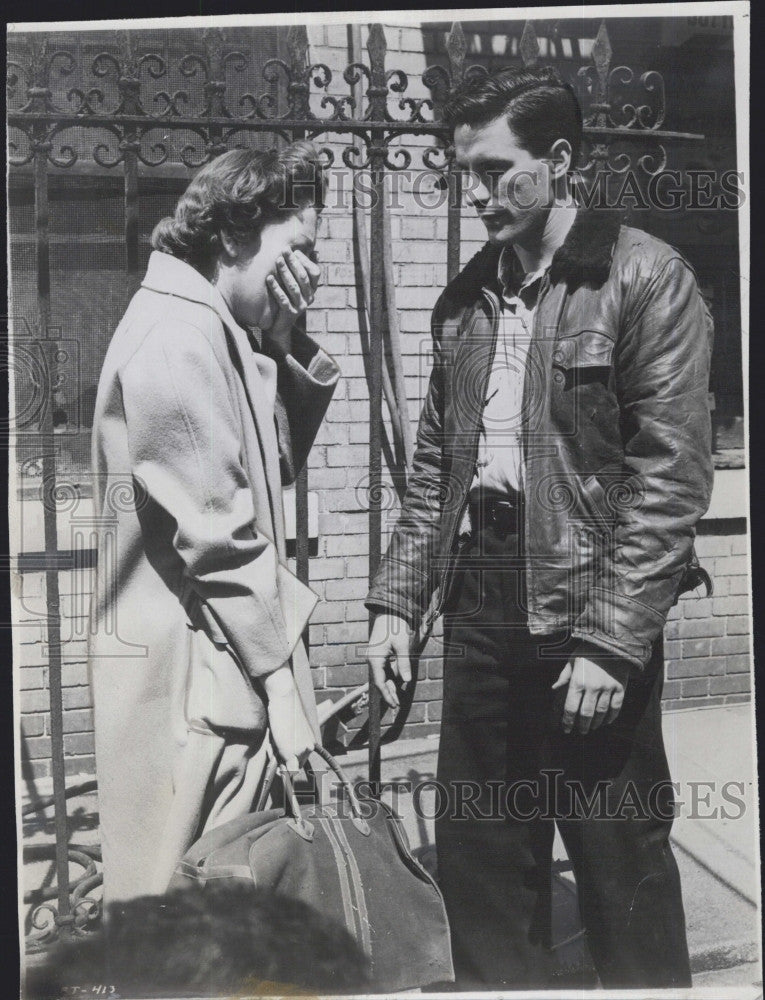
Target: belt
501, 513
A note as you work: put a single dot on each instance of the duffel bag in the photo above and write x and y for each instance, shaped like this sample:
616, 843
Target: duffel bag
351, 864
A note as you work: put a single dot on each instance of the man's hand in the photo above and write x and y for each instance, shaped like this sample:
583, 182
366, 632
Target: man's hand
596, 686
389, 645
293, 287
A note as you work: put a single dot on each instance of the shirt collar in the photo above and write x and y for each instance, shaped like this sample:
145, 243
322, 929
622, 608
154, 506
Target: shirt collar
512, 278
171, 276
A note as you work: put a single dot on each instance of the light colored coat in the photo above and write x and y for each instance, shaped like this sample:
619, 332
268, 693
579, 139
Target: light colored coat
194, 431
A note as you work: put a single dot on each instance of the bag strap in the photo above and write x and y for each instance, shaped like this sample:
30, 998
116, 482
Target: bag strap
358, 816
302, 826
297, 822
272, 765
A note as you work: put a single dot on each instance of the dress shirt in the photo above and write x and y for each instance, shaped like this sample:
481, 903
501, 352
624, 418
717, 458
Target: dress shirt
499, 466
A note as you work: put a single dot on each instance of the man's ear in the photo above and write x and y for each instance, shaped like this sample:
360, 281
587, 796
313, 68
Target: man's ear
560, 158
231, 246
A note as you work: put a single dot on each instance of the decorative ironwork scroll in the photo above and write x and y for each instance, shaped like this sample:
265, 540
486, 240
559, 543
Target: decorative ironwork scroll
134, 99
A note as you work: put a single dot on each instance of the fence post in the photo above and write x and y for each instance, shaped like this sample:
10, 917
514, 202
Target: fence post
456, 48
129, 89
377, 94
297, 43
39, 94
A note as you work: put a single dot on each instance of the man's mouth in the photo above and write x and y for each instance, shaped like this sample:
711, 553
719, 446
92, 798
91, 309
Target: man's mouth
495, 218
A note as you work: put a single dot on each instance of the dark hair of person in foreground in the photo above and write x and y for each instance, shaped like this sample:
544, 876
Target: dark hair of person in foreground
225, 940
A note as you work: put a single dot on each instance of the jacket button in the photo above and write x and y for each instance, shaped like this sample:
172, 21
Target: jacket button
558, 356
559, 378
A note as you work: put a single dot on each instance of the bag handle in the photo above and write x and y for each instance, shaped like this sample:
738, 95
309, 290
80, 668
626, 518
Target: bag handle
268, 780
358, 816
301, 826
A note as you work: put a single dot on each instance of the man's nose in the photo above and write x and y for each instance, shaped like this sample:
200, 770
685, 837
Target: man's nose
476, 190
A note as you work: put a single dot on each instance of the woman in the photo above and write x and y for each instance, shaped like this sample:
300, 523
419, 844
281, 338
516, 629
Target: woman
208, 402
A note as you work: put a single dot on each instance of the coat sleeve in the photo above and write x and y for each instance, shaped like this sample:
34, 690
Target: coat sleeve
306, 381
402, 583
185, 451
663, 362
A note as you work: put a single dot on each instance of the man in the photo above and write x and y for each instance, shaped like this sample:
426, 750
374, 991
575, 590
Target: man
567, 418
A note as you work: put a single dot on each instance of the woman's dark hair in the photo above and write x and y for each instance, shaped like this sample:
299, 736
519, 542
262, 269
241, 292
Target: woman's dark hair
539, 107
238, 193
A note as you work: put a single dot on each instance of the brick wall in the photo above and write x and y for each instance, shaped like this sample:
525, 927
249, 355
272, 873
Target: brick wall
31, 657
707, 639
340, 473
707, 643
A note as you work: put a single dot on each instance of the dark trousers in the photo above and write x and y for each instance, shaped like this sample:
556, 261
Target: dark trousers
511, 773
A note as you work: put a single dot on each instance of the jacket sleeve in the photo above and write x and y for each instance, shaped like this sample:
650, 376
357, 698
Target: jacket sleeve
402, 583
306, 381
662, 366
185, 451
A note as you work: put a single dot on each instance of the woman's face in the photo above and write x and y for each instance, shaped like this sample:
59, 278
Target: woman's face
241, 275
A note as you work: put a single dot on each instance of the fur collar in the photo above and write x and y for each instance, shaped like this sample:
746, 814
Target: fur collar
585, 256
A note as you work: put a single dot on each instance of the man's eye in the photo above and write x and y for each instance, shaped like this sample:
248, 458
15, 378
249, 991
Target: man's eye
493, 177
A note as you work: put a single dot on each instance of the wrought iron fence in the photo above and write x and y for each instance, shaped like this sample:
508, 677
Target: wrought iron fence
131, 108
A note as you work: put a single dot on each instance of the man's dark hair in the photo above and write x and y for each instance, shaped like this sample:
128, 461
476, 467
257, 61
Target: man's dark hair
538, 105
225, 939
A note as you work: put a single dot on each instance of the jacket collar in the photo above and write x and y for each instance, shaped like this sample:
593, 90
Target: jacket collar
587, 251
171, 276
584, 257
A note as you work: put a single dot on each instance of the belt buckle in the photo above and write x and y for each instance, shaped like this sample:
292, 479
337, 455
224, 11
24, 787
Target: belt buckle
503, 514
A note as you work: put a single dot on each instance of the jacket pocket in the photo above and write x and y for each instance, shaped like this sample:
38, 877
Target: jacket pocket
582, 357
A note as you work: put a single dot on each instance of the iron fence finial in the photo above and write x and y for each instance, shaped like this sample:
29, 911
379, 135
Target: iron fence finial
377, 91
529, 45
602, 54
456, 49
298, 87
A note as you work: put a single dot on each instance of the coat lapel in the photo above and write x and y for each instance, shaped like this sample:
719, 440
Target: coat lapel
171, 276
258, 374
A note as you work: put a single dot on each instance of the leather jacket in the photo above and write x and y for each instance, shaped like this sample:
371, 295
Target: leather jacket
617, 440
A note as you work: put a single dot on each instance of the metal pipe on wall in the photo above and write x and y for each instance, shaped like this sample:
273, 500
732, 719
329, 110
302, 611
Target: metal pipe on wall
297, 45
398, 415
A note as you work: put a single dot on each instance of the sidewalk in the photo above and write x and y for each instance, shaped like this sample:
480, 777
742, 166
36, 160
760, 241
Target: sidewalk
718, 857
708, 750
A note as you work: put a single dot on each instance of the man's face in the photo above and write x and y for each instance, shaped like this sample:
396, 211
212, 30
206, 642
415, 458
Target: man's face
249, 299
510, 188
